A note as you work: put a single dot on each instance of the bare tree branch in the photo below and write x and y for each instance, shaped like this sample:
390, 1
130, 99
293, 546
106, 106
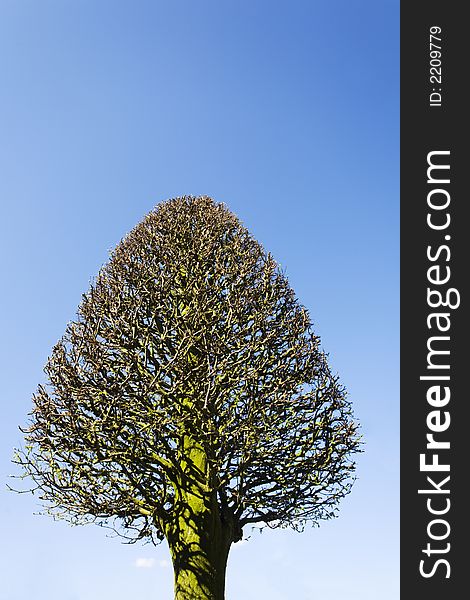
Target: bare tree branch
190, 360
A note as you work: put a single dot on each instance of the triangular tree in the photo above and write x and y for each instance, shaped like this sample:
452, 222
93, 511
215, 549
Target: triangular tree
190, 398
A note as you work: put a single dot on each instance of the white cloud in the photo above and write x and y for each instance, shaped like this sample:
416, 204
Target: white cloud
164, 564
144, 563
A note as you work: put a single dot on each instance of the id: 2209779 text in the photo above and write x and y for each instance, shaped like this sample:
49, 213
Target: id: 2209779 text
435, 71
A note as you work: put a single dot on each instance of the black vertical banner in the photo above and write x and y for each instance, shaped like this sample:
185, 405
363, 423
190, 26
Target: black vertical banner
435, 252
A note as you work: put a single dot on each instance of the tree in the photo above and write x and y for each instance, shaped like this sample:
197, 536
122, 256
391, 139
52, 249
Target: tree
190, 398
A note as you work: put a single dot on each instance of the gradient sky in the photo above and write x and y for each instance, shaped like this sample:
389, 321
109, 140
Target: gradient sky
287, 112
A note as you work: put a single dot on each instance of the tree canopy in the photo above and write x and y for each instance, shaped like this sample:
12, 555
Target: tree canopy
191, 365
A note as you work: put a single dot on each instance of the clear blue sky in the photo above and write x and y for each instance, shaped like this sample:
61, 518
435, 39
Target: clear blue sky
287, 112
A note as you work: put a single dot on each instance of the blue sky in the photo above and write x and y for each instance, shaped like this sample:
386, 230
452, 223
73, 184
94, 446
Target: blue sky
287, 112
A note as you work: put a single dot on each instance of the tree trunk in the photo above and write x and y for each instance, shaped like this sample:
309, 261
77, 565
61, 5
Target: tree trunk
199, 545
198, 535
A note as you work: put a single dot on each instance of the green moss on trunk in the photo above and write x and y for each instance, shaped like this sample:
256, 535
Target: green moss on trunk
198, 538
199, 552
